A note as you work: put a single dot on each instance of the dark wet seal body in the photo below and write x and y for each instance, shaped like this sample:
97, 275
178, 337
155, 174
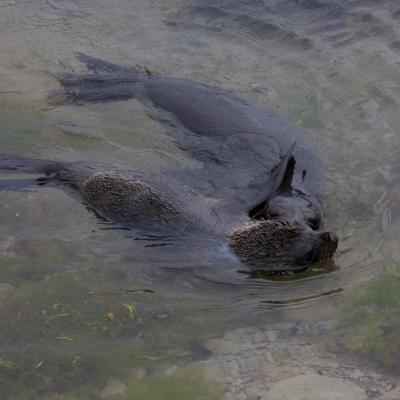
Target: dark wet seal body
256, 188
156, 201
160, 203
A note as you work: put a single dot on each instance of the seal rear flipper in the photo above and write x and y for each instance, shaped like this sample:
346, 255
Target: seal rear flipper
16, 185
19, 164
13, 163
104, 82
81, 90
99, 66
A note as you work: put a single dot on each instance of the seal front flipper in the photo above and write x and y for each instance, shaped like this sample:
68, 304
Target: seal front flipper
13, 163
281, 179
17, 185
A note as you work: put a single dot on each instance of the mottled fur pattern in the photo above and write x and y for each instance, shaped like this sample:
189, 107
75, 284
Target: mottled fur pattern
130, 202
270, 244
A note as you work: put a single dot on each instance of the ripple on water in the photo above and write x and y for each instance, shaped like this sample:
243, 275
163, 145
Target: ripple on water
289, 23
253, 29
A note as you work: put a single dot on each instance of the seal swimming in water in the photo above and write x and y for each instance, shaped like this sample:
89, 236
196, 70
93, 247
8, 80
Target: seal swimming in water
260, 185
159, 203
239, 143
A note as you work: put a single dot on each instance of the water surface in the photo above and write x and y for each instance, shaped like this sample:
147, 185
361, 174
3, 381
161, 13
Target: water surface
84, 303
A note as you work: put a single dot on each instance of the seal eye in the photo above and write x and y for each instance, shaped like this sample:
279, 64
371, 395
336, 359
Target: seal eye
273, 215
313, 223
270, 214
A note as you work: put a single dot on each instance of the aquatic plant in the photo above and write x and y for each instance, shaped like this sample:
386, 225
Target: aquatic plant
66, 334
182, 385
370, 324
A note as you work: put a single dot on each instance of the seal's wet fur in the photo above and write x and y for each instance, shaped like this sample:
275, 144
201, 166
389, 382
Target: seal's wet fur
271, 244
128, 202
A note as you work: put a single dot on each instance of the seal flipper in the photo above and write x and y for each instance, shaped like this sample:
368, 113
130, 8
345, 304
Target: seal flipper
287, 180
99, 66
104, 82
17, 185
20, 164
281, 180
29, 165
283, 173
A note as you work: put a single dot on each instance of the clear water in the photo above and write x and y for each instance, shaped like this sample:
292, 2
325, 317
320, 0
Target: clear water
88, 303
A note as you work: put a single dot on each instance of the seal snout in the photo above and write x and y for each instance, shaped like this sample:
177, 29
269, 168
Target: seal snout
328, 245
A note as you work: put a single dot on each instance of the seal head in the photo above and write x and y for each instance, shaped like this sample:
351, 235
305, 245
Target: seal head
287, 199
274, 245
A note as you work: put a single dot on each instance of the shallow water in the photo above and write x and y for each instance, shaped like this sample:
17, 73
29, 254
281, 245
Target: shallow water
87, 302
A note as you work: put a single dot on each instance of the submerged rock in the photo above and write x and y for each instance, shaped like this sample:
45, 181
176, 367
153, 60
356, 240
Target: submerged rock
252, 363
5, 290
113, 387
8, 248
315, 387
392, 395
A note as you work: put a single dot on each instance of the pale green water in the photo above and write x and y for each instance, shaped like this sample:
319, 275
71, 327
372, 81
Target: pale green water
90, 303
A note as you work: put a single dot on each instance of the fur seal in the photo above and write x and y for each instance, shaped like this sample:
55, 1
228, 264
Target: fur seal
159, 203
260, 185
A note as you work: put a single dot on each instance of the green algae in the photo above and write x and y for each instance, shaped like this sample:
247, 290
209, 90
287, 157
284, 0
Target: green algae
184, 384
21, 126
64, 334
56, 372
32, 259
59, 309
66, 307
180, 386
371, 323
